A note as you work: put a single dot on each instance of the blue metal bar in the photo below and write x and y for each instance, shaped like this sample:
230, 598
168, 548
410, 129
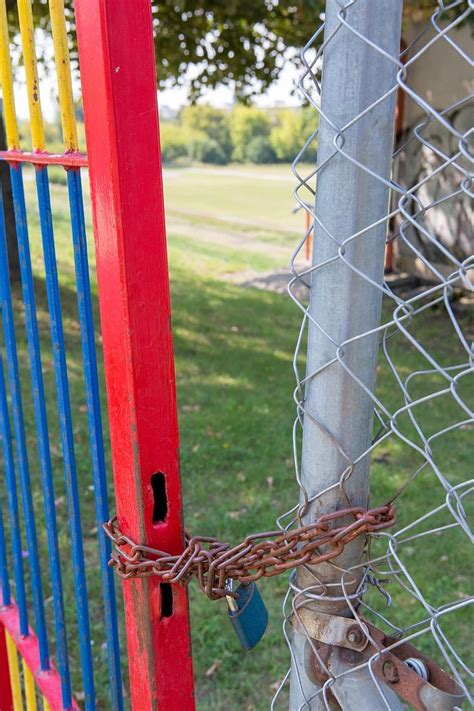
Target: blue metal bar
12, 505
4, 579
95, 430
67, 440
39, 402
13, 374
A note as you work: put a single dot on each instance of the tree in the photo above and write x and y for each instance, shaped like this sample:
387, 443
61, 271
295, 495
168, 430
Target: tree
173, 142
214, 123
259, 150
232, 42
293, 129
242, 43
239, 42
247, 124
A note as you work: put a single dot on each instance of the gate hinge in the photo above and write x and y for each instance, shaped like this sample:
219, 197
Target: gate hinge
410, 673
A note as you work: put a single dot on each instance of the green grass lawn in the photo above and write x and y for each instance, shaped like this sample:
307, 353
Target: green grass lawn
234, 350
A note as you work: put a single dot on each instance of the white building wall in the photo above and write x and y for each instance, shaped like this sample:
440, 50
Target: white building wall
440, 75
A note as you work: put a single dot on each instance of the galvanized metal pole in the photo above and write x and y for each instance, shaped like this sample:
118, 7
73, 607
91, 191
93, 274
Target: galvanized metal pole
338, 416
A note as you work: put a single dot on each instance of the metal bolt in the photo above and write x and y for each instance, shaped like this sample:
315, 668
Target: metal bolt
355, 635
418, 666
390, 672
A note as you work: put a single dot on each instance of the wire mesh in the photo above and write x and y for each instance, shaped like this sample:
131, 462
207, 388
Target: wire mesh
423, 400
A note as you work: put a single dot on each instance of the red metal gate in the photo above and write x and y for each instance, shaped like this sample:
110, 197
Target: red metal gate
121, 117
117, 71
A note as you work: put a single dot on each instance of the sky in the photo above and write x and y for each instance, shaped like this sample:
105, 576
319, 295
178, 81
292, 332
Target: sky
280, 93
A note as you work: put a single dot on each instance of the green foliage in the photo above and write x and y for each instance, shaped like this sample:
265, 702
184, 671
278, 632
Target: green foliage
284, 136
293, 129
181, 142
241, 43
244, 42
215, 124
247, 124
174, 143
259, 150
230, 42
246, 134
212, 152
198, 144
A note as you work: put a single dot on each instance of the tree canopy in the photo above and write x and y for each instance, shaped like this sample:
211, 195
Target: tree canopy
231, 42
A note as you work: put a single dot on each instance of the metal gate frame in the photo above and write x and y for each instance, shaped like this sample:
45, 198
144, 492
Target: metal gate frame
121, 118
117, 62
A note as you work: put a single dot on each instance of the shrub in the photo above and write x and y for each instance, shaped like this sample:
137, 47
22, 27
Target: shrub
294, 127
246, 124
212, 152
246, 133
179, 142
174, 142
214, 123
259, 150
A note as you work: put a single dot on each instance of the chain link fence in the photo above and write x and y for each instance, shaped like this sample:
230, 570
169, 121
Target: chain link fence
385, 360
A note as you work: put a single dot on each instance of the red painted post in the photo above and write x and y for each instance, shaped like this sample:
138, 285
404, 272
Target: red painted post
6, 700
116, 55
48, 682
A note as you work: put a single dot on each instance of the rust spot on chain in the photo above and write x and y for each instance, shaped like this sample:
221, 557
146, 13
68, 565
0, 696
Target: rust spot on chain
265, 554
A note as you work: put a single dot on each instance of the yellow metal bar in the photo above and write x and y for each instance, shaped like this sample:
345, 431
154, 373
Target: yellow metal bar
63, 68
14, 669
6, 79
46, 706
30, 692
31, 69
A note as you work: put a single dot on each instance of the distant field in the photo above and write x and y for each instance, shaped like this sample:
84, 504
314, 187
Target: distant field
234, 350
244, 194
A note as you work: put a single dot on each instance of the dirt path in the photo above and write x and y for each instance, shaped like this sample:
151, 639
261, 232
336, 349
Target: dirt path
225, 236
181, 223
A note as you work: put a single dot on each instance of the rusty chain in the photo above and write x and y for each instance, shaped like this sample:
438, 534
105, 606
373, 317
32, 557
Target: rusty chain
266, 554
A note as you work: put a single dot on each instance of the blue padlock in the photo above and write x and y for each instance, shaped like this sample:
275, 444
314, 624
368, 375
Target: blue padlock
247, 613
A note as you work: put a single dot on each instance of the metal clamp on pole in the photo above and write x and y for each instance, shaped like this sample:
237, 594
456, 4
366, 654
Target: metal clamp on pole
413, 676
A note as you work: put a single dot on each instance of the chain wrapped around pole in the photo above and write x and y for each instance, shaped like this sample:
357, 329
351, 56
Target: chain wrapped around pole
265, 554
